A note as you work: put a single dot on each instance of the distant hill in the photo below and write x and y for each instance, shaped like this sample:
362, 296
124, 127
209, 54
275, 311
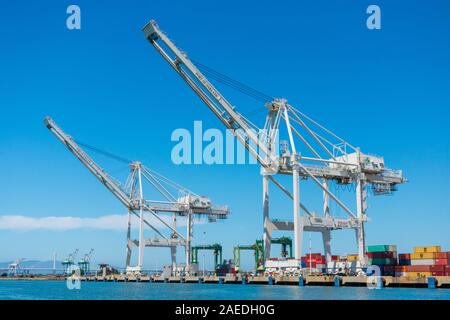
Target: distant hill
33, 264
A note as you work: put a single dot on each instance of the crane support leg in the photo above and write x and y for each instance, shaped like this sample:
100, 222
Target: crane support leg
361, 207
267, 235
128, 261
326, 199
173, 255
188, 241
141, 223
326, 236
298, 224
360, 239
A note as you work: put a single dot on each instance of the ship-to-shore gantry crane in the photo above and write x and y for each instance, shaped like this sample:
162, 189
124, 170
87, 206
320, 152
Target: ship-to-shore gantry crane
311, 152
177, 202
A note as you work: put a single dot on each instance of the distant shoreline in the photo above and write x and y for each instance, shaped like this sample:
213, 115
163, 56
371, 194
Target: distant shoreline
37, 278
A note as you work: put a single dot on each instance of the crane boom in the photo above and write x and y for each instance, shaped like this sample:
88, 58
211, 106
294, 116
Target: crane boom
226, 113
89, 163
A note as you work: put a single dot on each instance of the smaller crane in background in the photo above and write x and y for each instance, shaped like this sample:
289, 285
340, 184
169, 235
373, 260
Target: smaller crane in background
85, 263
70, 262
217, 252
14, 268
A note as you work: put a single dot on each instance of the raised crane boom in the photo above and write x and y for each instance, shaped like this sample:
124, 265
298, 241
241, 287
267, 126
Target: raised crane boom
232, 119
90, 164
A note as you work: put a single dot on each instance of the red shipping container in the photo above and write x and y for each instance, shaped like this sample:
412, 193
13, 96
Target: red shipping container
389, 268
437, 268
400, 268
438, 273
404, 256
334, 258
418, 268
311, 265
380, 255
442, 255
440, 262
447, 273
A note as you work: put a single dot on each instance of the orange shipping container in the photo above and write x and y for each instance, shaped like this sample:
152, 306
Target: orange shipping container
427, 249
423, 255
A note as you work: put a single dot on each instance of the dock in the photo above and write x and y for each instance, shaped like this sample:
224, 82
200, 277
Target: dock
437, 282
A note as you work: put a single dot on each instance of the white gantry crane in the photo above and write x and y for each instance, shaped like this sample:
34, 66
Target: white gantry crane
178, 203
311, 152
14, 268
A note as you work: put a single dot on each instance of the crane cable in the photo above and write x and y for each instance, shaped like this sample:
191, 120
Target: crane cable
155, 175
105, 153
237, 85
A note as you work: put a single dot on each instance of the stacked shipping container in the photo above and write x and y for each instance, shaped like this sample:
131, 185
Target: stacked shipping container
424, 262
383, 256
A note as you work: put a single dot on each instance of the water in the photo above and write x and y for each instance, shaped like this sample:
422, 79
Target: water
30, 290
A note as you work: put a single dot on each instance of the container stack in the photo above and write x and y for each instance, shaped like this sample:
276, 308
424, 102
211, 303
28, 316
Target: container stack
424, 262
383, 256
317, 262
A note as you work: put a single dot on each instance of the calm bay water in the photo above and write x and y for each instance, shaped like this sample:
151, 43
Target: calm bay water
22, 289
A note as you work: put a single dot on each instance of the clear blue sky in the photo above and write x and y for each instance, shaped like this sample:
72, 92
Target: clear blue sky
386, 91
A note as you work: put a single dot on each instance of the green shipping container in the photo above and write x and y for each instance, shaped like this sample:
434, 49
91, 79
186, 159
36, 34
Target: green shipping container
383, 261
381, 248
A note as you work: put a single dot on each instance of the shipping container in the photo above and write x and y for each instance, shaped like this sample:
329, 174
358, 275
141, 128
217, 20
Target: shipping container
438, 273
442, 255
441, 262
336, 266
437, 268
352, 258
418, 274
427, 249
313, 255
404, 256
400, 268
422, 262
382, 262
404, 262
354, 266
422, 255
418, 268
380, 255
381, 248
